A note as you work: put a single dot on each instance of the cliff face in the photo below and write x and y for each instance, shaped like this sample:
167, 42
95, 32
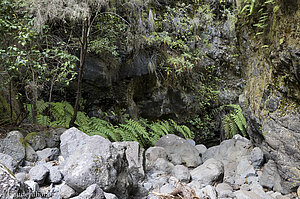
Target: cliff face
272, 93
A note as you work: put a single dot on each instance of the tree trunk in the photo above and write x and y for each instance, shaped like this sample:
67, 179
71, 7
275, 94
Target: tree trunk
83, 52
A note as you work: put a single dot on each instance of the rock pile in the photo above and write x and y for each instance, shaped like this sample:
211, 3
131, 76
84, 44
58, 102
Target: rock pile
70, 164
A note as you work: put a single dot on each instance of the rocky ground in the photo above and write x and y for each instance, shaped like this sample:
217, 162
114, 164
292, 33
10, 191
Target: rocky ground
70, 164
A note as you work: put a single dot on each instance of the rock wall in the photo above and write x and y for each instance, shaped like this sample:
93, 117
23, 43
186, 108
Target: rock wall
272, 92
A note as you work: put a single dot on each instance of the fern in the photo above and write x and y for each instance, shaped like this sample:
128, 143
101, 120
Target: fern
234, 122
147, 134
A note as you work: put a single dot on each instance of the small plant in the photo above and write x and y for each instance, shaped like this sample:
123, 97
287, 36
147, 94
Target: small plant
233, 121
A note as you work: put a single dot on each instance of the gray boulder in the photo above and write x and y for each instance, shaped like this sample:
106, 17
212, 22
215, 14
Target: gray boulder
30, 154
209, 192
243, 171
12, 145
135, 158
48, 154
152, 154
10, 187
66, 192
92, 192
270, 177
55, 175
53, 137
110, 196
96, 161
38, 173
37, 140
34, 186
224, 190
257, 157
242, 194
201, 148
21, 176
209, 172
180, 151
70, 140
162, 166
8, 161
181, 173
229, 150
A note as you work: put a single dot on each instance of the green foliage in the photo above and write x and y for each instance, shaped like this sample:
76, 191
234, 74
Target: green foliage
233, 121
147, 134
175, 29
257, 13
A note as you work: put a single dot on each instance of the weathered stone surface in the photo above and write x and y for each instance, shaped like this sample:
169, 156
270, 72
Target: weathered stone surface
110, 196
162, 166
229, 150
181, 173
270, 177
53, 137
55, 175
10, 187
179, 150
224, 190
209, 192
96, 161
241, 194
92, 192
37, 140
282, 137
243, 171
12, 145
8, 161
34, 186
152, 154
66, 192
21, 176
135, 158
201, 148
48, 154
38, 173
30, 154
257, 157
209, 172
70, 140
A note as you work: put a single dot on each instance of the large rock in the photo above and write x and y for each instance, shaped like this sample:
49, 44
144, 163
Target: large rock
209, 172
8, 161
10, 187
66, 192
282, 136
48, 154
152, 154
242, 194
13, 145
38, 173
135, 157
55, 175
181, 173
270, 177
243, 171
30, 154
37, 140
179, 150
257, 157
70, 140
94, 160
53, 137
92, 192
229, 150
